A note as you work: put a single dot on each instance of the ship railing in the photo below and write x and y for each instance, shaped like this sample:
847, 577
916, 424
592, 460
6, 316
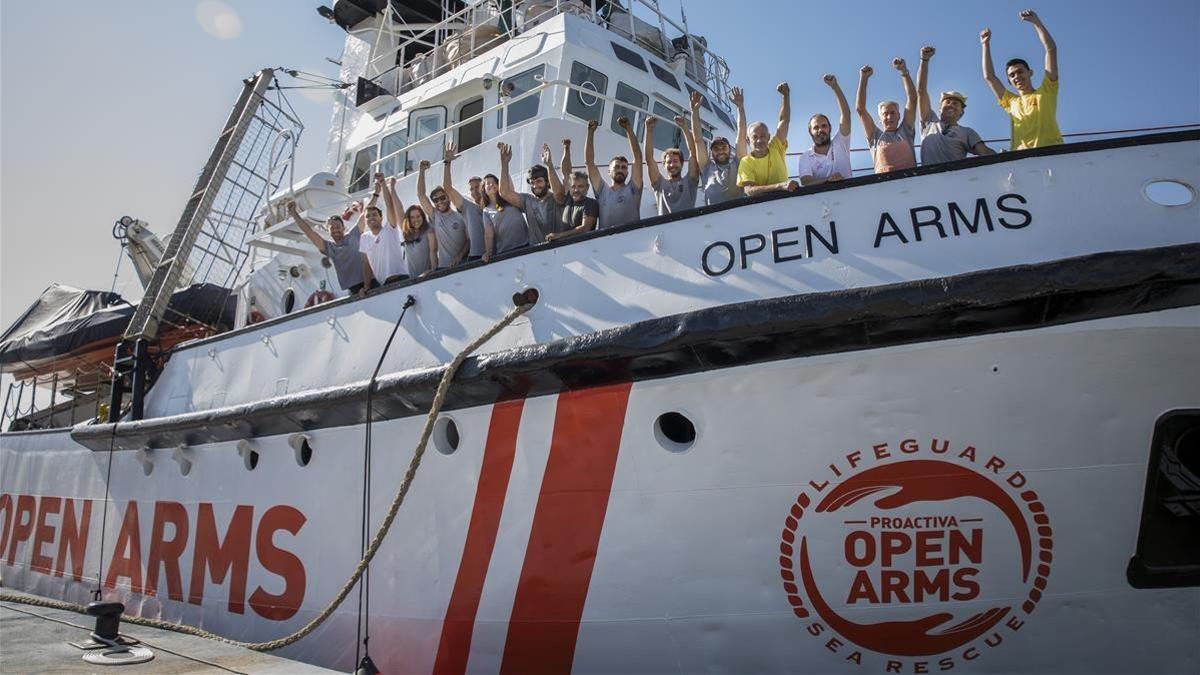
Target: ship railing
639, 115
56, 400
477, 28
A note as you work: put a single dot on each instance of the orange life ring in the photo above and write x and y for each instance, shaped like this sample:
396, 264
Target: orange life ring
318, 297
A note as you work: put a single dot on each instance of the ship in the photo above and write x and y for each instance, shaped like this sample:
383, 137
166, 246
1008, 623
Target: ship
940, 419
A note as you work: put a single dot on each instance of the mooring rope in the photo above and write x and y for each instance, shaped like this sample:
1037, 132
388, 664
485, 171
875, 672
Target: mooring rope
376, 542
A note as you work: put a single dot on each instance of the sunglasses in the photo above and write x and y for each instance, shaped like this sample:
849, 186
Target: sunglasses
440, 199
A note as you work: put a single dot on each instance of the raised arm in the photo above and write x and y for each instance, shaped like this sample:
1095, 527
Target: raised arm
1047, 42
506, 185
455, 197
843, 106
860, 102
589, 156
785, 112
743, 139
910, 92
689, 137
700, 153
565, 163
391, 202
923, 105
651, 166
635, 166
306, 227
556, 186
426, 205
989, 72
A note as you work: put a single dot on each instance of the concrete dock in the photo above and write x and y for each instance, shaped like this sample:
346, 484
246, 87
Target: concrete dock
34, 640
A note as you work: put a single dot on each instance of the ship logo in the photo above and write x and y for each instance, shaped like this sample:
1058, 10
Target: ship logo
915, 557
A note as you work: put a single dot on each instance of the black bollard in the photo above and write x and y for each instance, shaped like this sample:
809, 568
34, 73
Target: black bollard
108, 620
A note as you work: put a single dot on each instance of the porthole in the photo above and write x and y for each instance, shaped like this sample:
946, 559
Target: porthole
445, 435
302, 448
251, 460
675, 431
1169, 193
289, 301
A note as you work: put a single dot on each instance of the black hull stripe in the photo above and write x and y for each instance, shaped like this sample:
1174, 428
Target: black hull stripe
979, 303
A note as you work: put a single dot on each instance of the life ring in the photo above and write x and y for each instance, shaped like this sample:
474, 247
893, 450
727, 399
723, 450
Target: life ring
318, 297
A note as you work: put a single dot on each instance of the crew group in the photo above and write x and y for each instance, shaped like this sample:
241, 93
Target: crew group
448, 228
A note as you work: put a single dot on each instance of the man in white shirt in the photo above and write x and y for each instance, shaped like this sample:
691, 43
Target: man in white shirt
829, 158
382, 244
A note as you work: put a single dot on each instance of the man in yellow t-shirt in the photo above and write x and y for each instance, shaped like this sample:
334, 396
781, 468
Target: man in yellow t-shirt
1032, 112
765, 168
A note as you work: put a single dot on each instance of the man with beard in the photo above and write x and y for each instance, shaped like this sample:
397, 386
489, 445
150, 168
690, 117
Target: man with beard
449, 226
719, 163
472, 210
383, 245
542, 208
1033, 113
892, 145
620, 202
676, 192
580, 213
943, 139
342, 251
764, 169
828, 159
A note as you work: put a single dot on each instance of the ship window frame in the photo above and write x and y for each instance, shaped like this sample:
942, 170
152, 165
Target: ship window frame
359, 182
438, 148
665, 76
400, 162
1156, 562
504, 118
477, 124
627, 55
574, 95
637, 118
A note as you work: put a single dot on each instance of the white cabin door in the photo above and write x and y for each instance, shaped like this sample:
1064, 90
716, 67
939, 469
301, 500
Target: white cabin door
423, 123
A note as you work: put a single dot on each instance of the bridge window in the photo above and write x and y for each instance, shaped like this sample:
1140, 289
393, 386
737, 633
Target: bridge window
666, 134
635, 98
527, 108
1168, 545
470, 135
391, 143
583, 105
664, 75
360, 170
629, 56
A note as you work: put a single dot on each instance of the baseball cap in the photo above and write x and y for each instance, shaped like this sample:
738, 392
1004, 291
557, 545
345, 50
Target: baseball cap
719, 139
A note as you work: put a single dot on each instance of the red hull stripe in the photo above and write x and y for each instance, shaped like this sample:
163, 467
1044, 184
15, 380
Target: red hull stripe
566, 531
455, 644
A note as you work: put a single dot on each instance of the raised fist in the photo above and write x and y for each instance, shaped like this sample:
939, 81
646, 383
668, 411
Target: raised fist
927, 52
1029, 15
735, 95
680, 121
694, 99
592, 125
623, 122
830, 80
546, 157
357, 206
391, 183
866, 71
650, 122
985, 35
424, 164
567, 143
899, 64
378, 176
291, 208
783, 88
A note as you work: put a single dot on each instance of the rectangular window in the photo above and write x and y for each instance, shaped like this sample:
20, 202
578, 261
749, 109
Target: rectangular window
635, 98
391, 143
629, 56
583, 105
666, 134
424, 123
470, 135
1168, 544
360, 171
664, 75
527, 108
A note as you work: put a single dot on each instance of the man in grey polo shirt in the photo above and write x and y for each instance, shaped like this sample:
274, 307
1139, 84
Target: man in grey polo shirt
342, 251
620, 202
471, 209
719, 162
943, 139
543, 208
676, 192
449, 226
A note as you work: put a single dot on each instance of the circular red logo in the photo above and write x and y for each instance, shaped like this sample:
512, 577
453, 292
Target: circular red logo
916, 551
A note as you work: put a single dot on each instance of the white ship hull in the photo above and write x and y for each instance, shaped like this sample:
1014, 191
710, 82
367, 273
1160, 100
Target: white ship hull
897, 466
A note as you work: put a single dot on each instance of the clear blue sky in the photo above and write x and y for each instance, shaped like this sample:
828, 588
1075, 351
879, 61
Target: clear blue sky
111, 108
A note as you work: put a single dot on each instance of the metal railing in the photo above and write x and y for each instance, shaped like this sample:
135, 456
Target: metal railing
68, 397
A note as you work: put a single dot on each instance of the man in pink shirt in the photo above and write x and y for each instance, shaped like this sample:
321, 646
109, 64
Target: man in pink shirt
892, 145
